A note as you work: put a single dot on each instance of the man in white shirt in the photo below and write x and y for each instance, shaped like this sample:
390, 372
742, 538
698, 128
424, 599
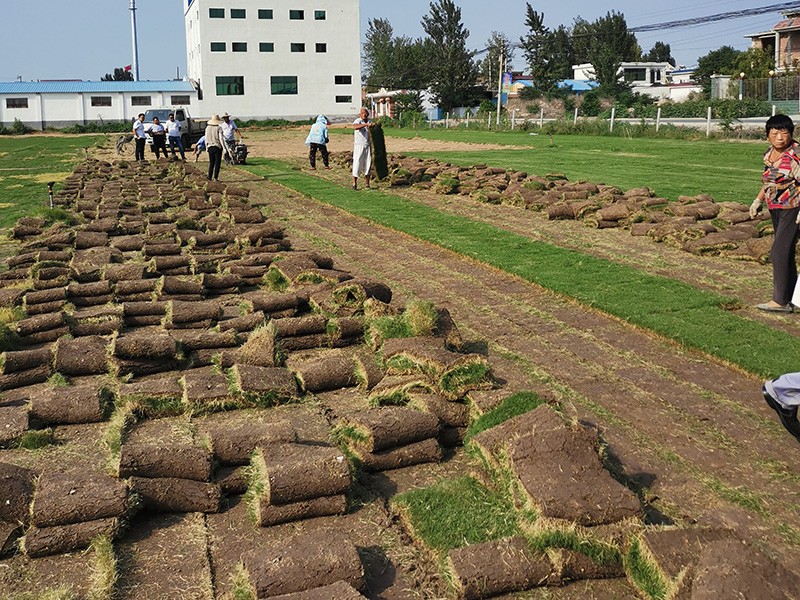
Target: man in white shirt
230, 131
139, 134
174, 135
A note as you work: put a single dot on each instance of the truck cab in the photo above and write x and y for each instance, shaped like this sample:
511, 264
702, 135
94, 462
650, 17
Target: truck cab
191, 130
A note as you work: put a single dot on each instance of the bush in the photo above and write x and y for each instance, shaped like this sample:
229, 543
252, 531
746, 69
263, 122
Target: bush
590, 106
19, 128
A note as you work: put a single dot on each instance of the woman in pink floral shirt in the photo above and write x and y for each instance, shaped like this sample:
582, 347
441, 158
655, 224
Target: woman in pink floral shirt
781, 191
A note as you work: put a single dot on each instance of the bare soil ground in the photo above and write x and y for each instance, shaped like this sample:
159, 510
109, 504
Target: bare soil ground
690, 434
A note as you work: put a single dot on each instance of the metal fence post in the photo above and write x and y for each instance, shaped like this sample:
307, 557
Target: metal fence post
613, 113
658, 118
708, 122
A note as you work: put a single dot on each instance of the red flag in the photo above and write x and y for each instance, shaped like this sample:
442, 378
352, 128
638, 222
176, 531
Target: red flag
127, 68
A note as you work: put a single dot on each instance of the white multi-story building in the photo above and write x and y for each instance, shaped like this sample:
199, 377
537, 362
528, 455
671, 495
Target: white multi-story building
289, 59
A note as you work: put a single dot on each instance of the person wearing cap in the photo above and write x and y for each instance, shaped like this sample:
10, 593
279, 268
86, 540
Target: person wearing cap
174, 134
230, 131
215, 146
317, 140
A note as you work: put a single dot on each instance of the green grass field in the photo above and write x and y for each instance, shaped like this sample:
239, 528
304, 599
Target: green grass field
728, 170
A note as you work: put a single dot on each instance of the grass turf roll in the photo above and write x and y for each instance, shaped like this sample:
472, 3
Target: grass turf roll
65, 498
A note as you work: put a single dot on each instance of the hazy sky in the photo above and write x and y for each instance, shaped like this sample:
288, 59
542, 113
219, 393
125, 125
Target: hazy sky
84, 39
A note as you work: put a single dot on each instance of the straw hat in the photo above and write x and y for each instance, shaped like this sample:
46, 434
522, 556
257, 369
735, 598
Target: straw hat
215, 120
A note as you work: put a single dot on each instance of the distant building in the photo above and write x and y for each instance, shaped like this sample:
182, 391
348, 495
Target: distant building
655, 79
58, 104
782, 41
292, 60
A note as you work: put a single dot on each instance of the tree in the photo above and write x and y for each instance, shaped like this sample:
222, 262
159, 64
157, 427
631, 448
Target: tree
377, 53
488, 68
610, 44
119, 74
660, 52
452, 70
721, 61
534, 43
754, 62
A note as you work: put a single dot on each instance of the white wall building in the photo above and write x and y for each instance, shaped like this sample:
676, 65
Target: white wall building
58, 104
289, 59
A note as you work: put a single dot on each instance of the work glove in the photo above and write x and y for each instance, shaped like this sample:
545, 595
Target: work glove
754, 208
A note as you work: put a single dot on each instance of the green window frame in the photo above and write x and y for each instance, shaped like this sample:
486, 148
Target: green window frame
216, 13
283, 85
218, 46
230, 85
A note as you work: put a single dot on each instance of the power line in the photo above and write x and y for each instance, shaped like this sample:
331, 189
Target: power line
718, 17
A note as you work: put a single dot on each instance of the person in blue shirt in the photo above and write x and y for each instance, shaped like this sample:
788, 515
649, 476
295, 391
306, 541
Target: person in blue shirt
199, 147
317, 140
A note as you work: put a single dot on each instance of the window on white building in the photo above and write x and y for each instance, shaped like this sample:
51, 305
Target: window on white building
344, 99
216, 13
266, 47
238, 13
16, 103
218, 46
319, 15
264, 13
140, 101
101, 100
180, 100
283, 85
297, 47
343, 79
322, 48
297, 15
239, 46
230, 86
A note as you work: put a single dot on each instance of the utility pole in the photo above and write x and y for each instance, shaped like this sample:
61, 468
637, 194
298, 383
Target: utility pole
500, 86
135, 42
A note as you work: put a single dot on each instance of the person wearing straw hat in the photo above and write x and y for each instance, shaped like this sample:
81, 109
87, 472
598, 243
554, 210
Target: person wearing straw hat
215, 146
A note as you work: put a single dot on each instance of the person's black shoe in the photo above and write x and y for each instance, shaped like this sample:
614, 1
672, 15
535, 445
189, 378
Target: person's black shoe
788, 416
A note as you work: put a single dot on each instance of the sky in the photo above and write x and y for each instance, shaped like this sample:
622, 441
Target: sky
85, 39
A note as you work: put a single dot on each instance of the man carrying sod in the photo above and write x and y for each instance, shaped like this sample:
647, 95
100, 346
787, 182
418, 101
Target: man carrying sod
362, 158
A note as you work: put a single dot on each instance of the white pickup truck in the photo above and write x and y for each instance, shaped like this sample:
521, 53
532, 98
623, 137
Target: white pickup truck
191, 129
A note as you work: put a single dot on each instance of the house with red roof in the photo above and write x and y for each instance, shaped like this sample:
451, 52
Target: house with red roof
783, 41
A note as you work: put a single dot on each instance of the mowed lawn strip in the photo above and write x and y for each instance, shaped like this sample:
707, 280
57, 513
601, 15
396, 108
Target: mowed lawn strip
28, 163
726, 170
693, 317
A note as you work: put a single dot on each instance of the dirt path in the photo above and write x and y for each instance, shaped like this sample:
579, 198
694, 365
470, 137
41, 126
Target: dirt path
693, 434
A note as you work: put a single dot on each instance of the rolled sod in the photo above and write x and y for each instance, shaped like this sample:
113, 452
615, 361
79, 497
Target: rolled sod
170, 494
450, 414
87, 355
9, 535
154, 395
139, 367
415, 453
324, 506
561, 473
450, 437
150, 345
368, 369
287, 473
306, 342
576, 566
256, 234
14, 420
269, 302
87, 290
40, 323
191, 339
244, 323
86, 402
127, 243
326, 373
83, 301
304, 561
66, 538
341, 590
264, 386
190, 312
234, 437
500, 567
136, 286
179, 285
165, 448
232, 480
65, 498
298, 326
16, 492
90, 239
163, 264
46, 296
395, 389
207, 390
447, 329
124, 272
46, 307
139, 309
215, 281
22, 360
259, 349
392, 426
